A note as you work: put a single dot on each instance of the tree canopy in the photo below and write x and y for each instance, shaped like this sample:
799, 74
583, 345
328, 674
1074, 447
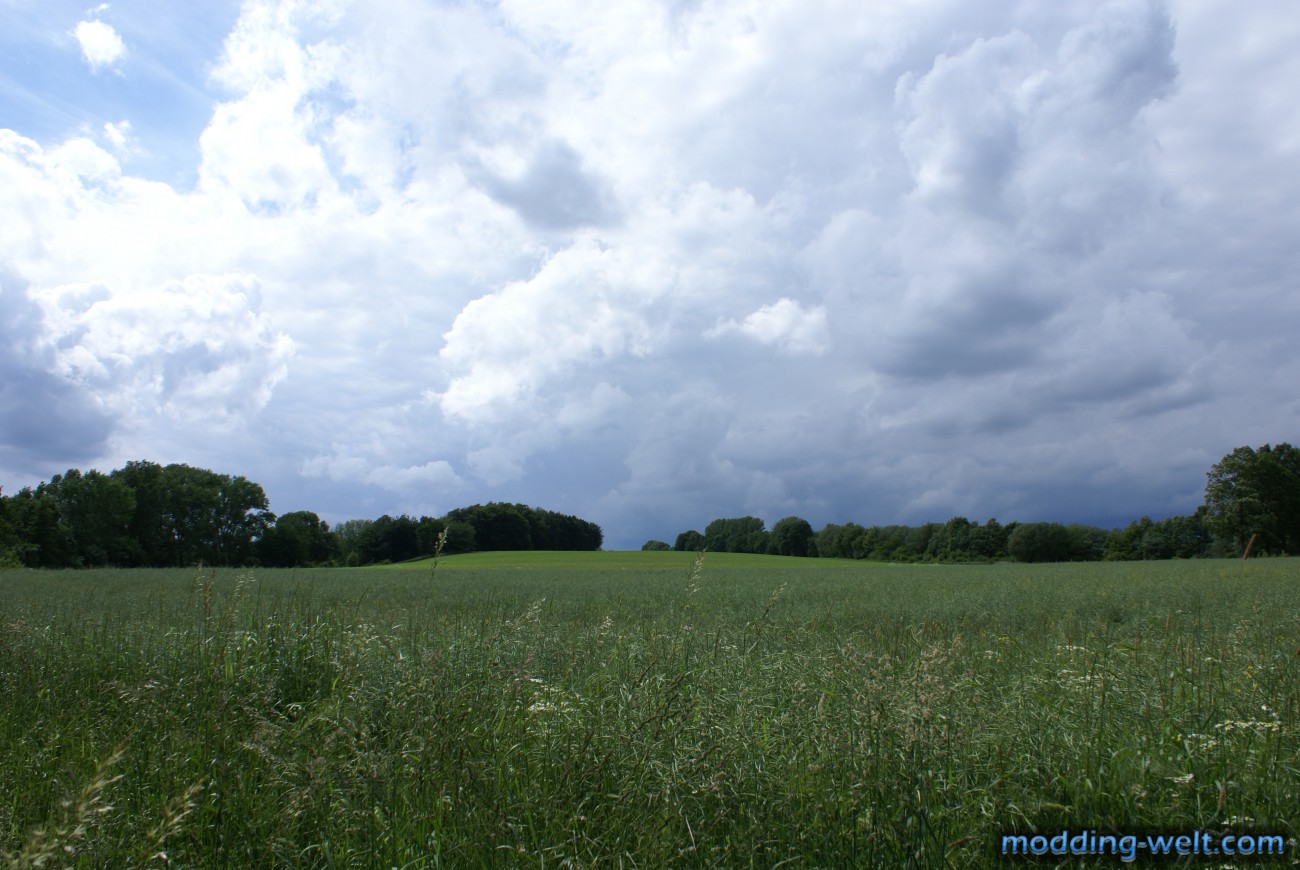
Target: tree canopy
149, 515
146, 514
1251, 492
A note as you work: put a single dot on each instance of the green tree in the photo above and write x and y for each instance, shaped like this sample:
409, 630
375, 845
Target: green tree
653, 545
792, 536
737, 535
988, 541
212, 518
1123, 545
296, 539
12, 545
46, 540
1172, 538
951, 541
1039, 542
97, 510
348, 538
840, 542
151, 536
427, 535
689, 542
885, 543
1189, 535
1087, 543
916, 540
1252, 492
460, 538
390, 539
497, 525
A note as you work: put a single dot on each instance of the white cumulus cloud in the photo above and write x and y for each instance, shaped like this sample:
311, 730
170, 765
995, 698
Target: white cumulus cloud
198, 349
100, 44
785, 325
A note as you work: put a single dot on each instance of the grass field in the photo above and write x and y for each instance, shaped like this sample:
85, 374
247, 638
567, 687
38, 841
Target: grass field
641, 710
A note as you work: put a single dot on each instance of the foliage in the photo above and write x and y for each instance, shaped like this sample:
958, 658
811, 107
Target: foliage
151, 537
1087, 543
792, 536
96, 509
689, 541
1039, 542
501, 526
653, 545
145, 514
1172, 538
47, 541
840, 542
296, 538
212, 518
11, 545
960, 540
348, 537
1252, 492
738, 535
988, 541
460, 538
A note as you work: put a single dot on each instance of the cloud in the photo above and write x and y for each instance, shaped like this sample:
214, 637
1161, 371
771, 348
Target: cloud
554, 192
119, 134
1028, 160
198, 349
100, 44
435, 474
657, 264
784, 325
43, 418
587, 307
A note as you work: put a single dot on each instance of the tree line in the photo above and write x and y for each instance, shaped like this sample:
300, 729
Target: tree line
150, 515
1250, 493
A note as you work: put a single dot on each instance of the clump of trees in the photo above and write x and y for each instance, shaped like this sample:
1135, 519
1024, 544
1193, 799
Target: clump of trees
150, 515
1249, 492
1172, 538
791, 536
1256, 492
499, 526
143, 514
961, 540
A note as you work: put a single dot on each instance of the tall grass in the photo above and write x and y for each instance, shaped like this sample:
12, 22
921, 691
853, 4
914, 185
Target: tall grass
723, 713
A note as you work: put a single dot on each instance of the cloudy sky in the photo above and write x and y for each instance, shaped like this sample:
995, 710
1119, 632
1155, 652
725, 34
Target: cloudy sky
654, 262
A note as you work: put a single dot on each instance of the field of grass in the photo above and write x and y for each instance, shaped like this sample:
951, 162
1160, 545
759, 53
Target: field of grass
641, 710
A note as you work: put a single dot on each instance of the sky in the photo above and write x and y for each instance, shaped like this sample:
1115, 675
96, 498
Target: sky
654, 263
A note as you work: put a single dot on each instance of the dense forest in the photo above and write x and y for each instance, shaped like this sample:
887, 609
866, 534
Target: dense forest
149, 515
1249, 494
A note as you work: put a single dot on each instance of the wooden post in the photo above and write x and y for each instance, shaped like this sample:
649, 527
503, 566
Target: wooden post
1250, 548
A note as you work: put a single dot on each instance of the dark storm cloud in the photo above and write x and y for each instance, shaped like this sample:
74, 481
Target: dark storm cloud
43, 419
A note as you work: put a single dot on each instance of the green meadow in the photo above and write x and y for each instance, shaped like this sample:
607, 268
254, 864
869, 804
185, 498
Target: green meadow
642, 710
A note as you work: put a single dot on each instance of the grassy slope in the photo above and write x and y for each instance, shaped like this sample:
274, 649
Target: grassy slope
619, 709
615, 560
